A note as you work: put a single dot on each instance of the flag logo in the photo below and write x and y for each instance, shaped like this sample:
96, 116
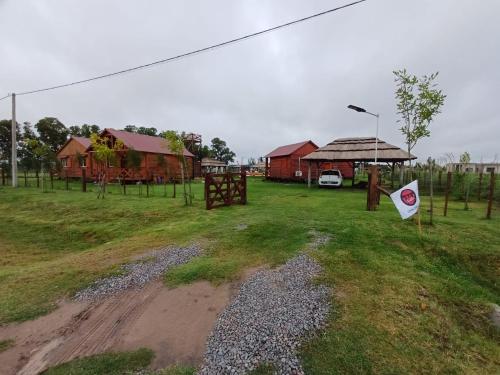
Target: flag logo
407, 200
408, 197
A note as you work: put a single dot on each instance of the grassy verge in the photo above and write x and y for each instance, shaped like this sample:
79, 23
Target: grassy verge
6, 344
108, 363
403, 303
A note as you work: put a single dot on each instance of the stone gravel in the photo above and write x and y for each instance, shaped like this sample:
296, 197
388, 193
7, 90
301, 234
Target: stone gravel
268, 319
137, 274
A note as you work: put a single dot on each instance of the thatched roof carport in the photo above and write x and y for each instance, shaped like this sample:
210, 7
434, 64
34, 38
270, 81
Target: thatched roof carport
361, 149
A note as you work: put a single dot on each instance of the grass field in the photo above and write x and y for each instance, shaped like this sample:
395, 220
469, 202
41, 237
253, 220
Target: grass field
403, 303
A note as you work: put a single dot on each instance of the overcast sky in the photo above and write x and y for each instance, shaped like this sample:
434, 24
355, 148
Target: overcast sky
279, 88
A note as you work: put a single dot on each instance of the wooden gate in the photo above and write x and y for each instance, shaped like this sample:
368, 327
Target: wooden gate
225, 189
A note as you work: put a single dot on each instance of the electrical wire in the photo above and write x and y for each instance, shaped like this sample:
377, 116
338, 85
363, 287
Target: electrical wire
194, 52
5, 97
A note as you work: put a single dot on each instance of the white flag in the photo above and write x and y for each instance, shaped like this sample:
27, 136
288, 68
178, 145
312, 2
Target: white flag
407, 200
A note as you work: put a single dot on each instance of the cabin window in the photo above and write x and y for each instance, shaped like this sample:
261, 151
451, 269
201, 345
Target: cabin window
490, 169
64, 162
83, 162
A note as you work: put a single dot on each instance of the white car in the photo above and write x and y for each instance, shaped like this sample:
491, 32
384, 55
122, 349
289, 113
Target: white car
330, 177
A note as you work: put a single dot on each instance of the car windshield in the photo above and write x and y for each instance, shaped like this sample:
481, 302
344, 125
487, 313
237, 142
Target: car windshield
330, 173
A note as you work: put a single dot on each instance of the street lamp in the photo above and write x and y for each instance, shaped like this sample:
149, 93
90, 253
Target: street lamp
359, 109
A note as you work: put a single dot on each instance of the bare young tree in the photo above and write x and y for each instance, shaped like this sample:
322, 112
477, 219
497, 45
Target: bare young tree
176, 145
418, 103
104, 155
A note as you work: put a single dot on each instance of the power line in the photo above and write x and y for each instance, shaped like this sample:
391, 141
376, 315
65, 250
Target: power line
201, 50
5, 97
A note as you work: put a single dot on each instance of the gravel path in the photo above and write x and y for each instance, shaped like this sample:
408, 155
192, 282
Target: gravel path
267, 320
136, 275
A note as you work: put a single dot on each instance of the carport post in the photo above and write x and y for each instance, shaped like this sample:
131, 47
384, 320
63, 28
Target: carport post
308, 173
353, 173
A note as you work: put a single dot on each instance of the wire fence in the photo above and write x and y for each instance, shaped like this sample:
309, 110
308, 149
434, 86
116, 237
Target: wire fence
54, 183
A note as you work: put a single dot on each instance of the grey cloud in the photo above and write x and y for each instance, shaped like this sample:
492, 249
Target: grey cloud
280, 88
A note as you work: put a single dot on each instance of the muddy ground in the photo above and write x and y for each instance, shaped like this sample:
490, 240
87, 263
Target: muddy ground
174, 323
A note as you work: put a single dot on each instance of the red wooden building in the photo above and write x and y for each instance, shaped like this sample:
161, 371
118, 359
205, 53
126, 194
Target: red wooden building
285, 163
73, 156
157, 161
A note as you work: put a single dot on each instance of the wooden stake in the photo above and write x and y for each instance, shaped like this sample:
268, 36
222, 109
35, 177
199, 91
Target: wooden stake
447, 193
84, 180
490, 195
419, 223
479, 186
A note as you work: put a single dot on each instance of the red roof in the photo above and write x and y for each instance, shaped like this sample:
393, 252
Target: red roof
288, 149
85, 142
144, 143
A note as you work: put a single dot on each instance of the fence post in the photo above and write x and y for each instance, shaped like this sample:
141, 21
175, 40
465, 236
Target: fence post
371, 201
229, 197
84, 180
37, 179
66, 185
479, 186
439, 182
207, 189
490, 195
147, 188
174, 189
244, 184
447, 193
51, 176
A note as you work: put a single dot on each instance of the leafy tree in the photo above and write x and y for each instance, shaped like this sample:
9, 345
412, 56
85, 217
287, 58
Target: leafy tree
176, 145
44, 155
29, 159
143, 130
52, 132
6, 142
220, 151
104, 154
84, 131
252, 161
130, 128
133, 160
147, 131
418, 103
465, 159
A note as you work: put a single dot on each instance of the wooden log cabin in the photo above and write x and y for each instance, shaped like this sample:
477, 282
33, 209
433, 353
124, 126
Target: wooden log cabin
286, 163
156, 161
73, 156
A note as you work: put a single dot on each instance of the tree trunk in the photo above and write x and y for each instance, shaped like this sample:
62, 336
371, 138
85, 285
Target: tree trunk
183, 183
431, 193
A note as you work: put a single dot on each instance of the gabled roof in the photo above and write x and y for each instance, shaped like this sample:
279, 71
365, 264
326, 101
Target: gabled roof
288, 149
85, 142
359, 149
144, 143
209, 162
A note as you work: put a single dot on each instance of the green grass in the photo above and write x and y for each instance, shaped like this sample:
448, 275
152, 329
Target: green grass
6, 344
108, 363
176, 370
402, 303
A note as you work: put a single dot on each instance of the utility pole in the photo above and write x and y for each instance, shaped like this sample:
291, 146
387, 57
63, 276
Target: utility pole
14, 142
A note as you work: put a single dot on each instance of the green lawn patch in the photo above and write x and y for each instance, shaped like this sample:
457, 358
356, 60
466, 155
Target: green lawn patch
6, 344
108, 363
402, 304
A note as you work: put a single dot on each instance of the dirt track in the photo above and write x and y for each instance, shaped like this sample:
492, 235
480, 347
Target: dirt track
174, 323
